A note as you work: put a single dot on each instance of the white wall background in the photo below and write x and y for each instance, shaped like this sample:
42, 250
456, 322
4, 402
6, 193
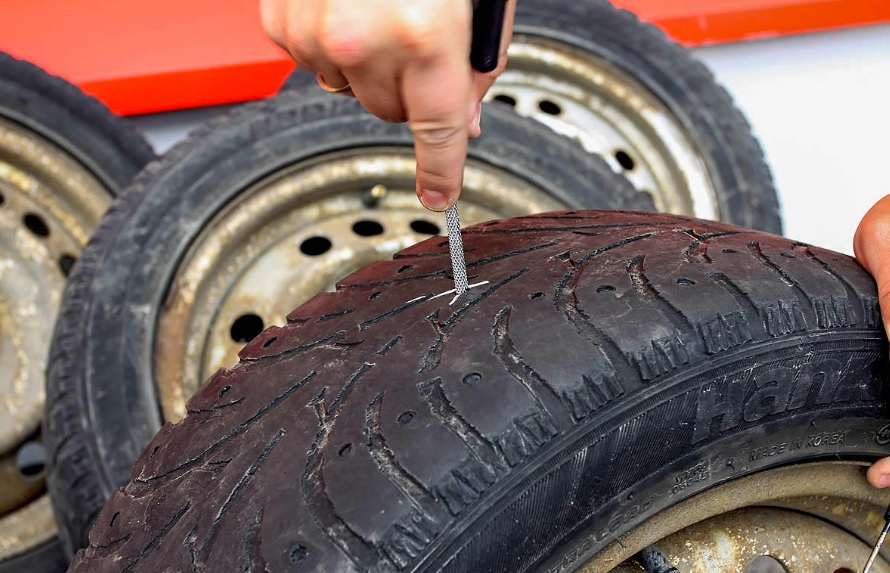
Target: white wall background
819, 103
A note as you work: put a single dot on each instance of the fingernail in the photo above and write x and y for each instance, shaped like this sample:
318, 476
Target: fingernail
884, 480
475, 127
433, 200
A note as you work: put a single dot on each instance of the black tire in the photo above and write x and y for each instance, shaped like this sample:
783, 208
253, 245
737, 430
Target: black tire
57, 112
611, 353
718, 129
112, 149
99, 418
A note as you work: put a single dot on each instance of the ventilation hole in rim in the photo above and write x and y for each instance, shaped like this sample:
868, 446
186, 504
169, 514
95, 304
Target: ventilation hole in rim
2, 199
844, 570
30, 459
765, 564
505, 99
314, 246
406, 417
36, 224
425, 227
625, 160
66, 263
549, 107
367, 228
246, 327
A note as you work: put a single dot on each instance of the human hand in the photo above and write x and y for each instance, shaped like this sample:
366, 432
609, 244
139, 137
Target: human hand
871, 244
404, 61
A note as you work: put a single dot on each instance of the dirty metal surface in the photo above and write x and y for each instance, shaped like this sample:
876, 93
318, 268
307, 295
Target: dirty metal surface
813, 518
295, 235
49, 204
612, 115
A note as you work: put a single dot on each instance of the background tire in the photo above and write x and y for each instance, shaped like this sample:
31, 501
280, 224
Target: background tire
617, 364
134, 308
599, 75
63, 157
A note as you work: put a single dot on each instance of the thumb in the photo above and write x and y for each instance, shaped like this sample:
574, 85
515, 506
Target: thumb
436, 97
871, 244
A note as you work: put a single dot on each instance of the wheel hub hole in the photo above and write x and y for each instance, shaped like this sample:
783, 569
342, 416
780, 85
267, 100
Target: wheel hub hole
425, 227
505, 99
66, 263
367, 228
765, 564
30, 459
625, 160
549, 107
246, 327
314, 246
36, 224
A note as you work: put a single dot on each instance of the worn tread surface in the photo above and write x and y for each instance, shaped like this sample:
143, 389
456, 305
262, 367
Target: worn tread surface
616, 363
102, 406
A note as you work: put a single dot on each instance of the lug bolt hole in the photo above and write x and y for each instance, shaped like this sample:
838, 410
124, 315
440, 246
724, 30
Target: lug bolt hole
246, 327
367, 228
36, 224
314, 246
625, 160
505, 99
549, 107
425, 227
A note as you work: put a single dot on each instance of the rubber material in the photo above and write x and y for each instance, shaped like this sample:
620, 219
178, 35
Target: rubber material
618, 363
106, 145
733, 157
102, 407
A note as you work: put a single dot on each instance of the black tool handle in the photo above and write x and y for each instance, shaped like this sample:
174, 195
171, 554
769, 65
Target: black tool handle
488, 29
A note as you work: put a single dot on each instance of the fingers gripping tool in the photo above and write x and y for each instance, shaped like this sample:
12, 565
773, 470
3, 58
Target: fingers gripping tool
488, 29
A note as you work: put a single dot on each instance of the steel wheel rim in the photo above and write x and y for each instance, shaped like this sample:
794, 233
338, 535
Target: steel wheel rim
49, 203
609, 113
828, 506
292, 236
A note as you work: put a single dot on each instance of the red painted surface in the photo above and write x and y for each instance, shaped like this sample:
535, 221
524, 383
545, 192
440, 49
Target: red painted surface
141, 56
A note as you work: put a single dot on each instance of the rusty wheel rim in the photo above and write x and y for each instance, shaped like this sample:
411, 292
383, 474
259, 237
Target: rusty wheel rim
294, 235
49, 203
612, 115
809, 518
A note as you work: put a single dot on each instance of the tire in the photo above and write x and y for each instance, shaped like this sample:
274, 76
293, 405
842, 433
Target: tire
64, 156
717, 132
96, 424
617, 364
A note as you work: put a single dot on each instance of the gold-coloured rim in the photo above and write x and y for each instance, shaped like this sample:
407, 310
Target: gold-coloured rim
612, 115
817, 517
294, 235
49, 204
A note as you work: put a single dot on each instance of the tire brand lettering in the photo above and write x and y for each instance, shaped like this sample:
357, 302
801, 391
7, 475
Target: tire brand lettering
882, 437
748, 396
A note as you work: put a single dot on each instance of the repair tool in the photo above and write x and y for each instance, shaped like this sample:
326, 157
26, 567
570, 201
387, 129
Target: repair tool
488, 28
879, 542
